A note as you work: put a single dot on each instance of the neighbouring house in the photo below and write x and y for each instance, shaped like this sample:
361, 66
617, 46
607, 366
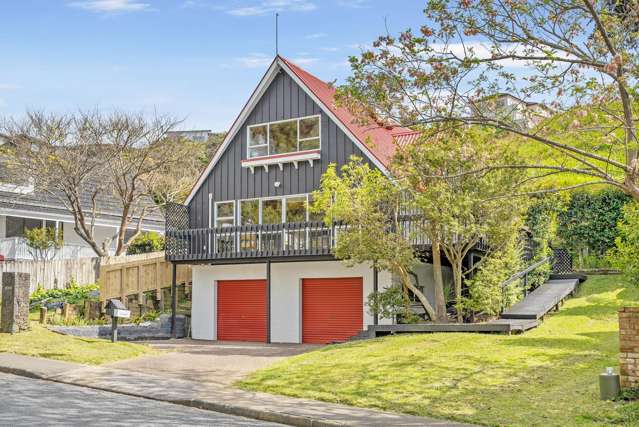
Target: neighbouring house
24, 206
262, 264
191, 135
506, 106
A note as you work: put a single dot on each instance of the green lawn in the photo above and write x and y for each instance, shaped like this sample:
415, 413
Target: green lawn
40, 342
545, 377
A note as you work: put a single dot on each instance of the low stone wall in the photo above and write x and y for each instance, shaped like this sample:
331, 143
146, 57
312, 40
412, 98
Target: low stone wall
629, 346
157, 329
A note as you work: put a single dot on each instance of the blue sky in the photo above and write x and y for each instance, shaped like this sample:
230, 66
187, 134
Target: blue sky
197, 60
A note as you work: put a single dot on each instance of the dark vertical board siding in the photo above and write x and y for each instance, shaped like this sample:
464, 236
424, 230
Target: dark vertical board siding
284, 99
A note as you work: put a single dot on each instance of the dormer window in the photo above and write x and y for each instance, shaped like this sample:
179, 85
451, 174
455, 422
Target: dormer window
283, 137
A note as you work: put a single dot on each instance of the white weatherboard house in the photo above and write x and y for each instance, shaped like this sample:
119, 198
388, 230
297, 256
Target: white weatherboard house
262, 264
24, 206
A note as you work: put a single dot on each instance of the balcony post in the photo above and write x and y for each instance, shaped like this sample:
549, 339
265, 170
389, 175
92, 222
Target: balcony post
375, 288
174, 302
268, 301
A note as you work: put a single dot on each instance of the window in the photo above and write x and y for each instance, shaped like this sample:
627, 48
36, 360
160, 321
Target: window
285, 136
249, 212
272, 211
257, 141
16, 227
224, 214
296, 209
309, 137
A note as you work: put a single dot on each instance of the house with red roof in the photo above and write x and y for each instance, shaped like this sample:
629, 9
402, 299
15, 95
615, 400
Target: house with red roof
262, 263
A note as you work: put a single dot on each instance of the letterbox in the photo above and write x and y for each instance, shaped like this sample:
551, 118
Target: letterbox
115, 308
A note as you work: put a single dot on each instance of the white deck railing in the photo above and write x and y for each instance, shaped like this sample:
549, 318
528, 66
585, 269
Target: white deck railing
16, 248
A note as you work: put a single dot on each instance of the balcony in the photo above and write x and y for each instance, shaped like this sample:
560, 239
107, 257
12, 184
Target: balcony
313, 238
16, 249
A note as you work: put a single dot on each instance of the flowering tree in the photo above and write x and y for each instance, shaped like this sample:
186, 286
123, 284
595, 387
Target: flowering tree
579, 56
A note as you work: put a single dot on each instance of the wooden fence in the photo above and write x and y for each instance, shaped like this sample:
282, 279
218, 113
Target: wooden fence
55, 273
135, 275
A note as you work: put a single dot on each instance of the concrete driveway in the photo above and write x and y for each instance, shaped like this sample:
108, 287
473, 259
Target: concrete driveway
215, 362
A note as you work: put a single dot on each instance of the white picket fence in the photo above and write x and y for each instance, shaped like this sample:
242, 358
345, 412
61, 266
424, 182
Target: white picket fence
55, 273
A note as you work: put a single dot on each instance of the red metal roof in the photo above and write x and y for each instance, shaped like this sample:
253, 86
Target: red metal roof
382, 142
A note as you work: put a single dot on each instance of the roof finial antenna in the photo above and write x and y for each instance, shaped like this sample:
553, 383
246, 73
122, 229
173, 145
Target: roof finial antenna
277, 50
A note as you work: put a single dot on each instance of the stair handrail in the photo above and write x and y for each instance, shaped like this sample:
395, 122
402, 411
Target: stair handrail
524, 273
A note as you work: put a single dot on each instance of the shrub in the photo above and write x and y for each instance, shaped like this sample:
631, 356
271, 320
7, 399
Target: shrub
485, 293
146, 243
625, 255
588, 224
72, 294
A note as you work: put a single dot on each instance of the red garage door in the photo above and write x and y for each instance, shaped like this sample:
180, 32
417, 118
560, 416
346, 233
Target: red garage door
332, 309
241, 310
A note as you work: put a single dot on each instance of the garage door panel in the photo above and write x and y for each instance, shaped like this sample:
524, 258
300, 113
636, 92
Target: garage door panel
241, 310
332, 309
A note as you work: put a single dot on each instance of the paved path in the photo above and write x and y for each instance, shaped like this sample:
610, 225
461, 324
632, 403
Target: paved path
187, 392
31, 402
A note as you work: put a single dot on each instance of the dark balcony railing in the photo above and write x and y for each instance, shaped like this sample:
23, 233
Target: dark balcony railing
251, 241
300, 239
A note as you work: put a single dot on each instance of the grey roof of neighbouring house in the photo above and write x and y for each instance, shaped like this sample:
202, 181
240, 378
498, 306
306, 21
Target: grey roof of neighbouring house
39, 201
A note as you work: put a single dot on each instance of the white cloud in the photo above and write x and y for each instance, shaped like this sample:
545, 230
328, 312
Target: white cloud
305, 60
111, 6
356, 4
8, 86
329, 49
254, 60
315, 36
266, 7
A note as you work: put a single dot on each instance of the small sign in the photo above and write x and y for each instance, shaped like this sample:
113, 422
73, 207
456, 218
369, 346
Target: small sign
122, 314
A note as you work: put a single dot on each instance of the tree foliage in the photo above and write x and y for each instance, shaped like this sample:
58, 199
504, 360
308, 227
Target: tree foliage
43, 242
83, 159
581, 54
457, 185
369, 204
146, 243
589, 221
625, 254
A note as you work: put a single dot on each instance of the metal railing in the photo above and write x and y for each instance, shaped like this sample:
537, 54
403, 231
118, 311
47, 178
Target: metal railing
252, 241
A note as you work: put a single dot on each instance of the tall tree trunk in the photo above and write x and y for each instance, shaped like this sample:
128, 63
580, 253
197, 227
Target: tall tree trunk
408, 284
440, 299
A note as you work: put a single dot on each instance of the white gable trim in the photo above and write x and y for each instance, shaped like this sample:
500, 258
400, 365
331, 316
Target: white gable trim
268, 78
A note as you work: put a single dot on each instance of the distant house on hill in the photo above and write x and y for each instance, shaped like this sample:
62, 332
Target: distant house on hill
509, 107
191, 135
24, 206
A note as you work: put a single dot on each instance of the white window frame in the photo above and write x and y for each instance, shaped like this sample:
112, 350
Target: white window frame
217, 218
268, 136
239, 210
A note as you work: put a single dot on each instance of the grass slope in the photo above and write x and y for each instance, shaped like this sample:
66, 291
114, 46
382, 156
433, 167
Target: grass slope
40, 342
545, 377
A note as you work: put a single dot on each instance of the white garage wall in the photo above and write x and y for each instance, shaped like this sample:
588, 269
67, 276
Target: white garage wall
285, 293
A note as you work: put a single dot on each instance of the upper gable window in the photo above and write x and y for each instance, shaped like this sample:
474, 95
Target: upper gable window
284, 136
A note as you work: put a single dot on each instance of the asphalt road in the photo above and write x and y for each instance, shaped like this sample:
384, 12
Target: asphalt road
29, 402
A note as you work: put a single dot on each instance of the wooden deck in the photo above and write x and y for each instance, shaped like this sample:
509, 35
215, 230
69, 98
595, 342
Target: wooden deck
526, 314
543, 299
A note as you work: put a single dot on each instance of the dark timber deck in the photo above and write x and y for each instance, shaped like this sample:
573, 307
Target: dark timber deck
542, 300
524, 315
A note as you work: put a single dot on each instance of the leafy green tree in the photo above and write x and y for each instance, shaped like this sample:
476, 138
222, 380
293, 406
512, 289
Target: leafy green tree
457, 178
43, 242
582, 55
370, 204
